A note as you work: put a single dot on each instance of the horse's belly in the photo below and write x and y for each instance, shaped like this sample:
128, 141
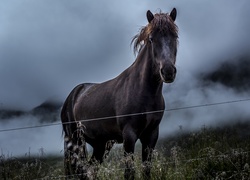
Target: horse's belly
102, 130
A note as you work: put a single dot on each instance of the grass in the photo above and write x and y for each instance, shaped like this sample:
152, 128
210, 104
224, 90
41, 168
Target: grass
211, 153
30, 167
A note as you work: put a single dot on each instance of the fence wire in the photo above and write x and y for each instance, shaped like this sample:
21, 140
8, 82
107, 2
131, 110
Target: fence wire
128, 115
139, 166
136, 114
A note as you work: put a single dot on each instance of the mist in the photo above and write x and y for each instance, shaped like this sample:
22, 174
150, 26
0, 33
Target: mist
31, 141
48, 47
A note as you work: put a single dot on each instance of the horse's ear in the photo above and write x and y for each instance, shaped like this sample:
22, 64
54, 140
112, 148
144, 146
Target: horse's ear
150, 16
173, 14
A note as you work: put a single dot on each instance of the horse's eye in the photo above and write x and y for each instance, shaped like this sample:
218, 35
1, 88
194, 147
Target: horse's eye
150, 39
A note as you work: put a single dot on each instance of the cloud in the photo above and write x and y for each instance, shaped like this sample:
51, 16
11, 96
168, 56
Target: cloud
48, 47
212, 66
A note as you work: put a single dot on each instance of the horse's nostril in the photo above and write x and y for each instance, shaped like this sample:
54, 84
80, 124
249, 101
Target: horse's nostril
175, 70
162, 72
168, 73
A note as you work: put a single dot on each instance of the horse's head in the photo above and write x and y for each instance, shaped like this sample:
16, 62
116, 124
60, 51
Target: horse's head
161, 37
163, 42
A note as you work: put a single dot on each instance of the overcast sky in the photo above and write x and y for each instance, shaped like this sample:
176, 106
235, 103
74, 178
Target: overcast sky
48, 47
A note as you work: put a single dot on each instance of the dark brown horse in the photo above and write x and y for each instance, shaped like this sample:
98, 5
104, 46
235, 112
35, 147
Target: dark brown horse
138, 89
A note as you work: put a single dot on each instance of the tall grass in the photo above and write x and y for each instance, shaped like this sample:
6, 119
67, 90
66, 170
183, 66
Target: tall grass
211, 153
30, 167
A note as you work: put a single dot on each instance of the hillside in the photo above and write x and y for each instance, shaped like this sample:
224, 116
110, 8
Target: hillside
210, 153
45, 112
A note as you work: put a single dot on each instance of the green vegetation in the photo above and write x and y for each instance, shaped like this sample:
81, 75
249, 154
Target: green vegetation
211, 153
30, 167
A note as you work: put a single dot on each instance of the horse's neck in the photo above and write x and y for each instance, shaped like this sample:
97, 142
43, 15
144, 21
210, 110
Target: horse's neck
146, 71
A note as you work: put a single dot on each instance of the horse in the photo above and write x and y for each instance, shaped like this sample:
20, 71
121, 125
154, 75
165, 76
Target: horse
102, 113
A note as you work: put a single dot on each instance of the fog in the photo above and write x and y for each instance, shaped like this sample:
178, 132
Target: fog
48, 47
32, 141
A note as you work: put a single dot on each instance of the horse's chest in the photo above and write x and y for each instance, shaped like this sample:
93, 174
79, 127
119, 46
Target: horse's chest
153, 120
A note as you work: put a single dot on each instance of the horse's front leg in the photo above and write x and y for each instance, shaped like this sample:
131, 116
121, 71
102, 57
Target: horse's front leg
129, 139
148, 141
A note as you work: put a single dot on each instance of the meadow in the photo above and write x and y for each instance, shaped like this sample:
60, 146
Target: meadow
209, 153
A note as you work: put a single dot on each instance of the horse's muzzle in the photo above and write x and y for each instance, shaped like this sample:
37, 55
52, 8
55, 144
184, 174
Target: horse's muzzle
168, 73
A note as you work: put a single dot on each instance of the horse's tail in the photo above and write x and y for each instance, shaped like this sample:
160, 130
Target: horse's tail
71, 131
67, 114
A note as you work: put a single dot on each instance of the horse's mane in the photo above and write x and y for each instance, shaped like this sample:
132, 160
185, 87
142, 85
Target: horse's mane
162, 23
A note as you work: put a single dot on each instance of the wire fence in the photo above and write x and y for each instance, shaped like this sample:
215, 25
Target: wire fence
159, 164
128, 115
172, 162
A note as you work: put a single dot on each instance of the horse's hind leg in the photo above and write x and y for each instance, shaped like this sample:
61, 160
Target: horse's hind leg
96, 159
98, 153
